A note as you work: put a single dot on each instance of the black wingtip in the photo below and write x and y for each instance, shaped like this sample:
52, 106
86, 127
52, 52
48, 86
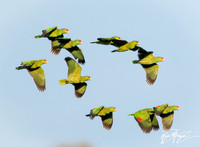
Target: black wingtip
68, 58
81, 61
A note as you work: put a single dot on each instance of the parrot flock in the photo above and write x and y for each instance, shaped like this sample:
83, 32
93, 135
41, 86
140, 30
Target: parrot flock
146, 118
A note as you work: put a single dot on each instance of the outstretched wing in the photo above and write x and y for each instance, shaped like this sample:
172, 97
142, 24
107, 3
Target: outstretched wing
39, 78
107, 121
151, 72
80, 89
74, 69
118, 43
167, 120
77, 54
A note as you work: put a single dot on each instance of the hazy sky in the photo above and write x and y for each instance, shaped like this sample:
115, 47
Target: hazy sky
29, 118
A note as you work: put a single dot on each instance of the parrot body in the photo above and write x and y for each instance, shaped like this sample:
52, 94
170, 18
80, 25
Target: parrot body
148, 62
75, 78
105, 114
35, 70
167, 114
125, 46
70, 46
106, 41
52, 33
146, 119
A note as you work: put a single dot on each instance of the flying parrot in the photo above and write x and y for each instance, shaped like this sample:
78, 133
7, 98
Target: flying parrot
75, 78
105, 114
123, 45
167, 114
69, 45
146, 119
52, 33
106, 41
148, 62
35, 70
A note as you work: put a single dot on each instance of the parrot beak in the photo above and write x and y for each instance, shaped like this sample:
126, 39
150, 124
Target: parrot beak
115, 109
80, 42
67, 31
89, 78
138, 43
178, 108
162, 59
45, 61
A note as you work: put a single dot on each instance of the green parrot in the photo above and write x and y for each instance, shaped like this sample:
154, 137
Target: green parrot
35, 70
75, 78
52, 33
106, 41
148, 62
70, 46
123, 45
146, 119
105, 114
167, 114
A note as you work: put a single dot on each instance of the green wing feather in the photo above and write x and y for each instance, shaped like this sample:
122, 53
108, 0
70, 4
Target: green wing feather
106, 41
167, 120
143, 119
151, 72
94, 112
107, 121
57, 44
74, 69
145, 125
39, 78
77, 54
168, 116
128, 46
118, 43
159, 109
80, 89
47, 32
154, 122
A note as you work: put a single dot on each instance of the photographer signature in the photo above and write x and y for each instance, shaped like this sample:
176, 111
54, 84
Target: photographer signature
176, 137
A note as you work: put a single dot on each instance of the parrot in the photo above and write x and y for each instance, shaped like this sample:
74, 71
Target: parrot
75, 78
105, 113
146, 119
167, 114
35, 70
123, 45
70, 46
52, 33
106, 41
148, 62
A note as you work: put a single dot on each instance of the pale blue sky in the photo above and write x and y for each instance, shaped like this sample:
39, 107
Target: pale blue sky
29, 118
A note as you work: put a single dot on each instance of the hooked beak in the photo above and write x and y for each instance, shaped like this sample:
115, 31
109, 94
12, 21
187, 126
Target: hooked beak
45, 61
89, 78
178, 108
80, 42
115, 109
138, 43
67, 31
